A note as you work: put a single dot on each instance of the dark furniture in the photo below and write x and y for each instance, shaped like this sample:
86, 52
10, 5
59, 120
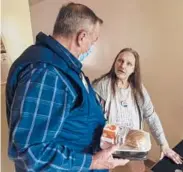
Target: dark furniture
166, 165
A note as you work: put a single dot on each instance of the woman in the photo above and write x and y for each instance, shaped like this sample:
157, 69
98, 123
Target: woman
127, 102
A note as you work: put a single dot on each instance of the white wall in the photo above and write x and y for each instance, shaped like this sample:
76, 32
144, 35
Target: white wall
16, 26
155, 30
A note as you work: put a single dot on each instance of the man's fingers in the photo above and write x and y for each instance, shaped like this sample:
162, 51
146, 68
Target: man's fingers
105, 145
120, 162
112, 149
114, 162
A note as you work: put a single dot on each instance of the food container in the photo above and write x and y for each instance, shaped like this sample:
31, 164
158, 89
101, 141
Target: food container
110, 133
127, 152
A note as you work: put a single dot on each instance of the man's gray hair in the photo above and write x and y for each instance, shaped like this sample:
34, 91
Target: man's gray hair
74, 17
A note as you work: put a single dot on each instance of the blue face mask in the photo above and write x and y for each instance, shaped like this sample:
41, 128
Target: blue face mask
86, 54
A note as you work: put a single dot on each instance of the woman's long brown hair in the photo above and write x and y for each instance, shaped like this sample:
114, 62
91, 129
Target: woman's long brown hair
134, 79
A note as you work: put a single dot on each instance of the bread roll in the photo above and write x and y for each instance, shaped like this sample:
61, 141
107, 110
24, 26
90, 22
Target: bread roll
136, 139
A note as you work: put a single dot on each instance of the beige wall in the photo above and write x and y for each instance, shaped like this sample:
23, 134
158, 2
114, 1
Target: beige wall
17, 35
155, 30
16, 26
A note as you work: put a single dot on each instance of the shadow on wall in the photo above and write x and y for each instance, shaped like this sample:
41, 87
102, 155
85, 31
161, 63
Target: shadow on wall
6, 164
5, 62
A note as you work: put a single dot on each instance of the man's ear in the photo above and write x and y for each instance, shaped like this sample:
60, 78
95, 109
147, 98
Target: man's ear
80, 37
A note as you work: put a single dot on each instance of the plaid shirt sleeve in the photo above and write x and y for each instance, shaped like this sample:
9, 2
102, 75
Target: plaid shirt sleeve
40, 105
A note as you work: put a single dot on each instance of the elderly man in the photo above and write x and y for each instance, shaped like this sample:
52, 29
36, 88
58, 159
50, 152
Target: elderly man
54, 119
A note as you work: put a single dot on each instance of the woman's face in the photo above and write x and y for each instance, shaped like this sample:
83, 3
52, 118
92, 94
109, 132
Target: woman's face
124, 65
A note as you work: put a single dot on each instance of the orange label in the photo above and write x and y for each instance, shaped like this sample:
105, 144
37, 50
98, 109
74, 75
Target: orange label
109, 134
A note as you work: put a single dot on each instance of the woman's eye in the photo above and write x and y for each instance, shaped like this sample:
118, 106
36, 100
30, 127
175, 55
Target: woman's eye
129, 64
119, 60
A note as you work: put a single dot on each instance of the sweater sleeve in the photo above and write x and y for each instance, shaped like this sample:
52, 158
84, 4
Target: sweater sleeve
101, 87
152, 119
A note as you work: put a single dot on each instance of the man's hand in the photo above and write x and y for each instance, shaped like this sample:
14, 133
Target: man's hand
105, 145
104, 159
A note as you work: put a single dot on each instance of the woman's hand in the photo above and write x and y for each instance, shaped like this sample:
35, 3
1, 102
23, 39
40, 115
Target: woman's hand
168, 152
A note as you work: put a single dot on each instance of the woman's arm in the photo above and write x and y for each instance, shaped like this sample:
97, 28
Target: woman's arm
152, 119
156, 129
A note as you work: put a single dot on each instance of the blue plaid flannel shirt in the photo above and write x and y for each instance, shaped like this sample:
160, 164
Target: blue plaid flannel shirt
39, 107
